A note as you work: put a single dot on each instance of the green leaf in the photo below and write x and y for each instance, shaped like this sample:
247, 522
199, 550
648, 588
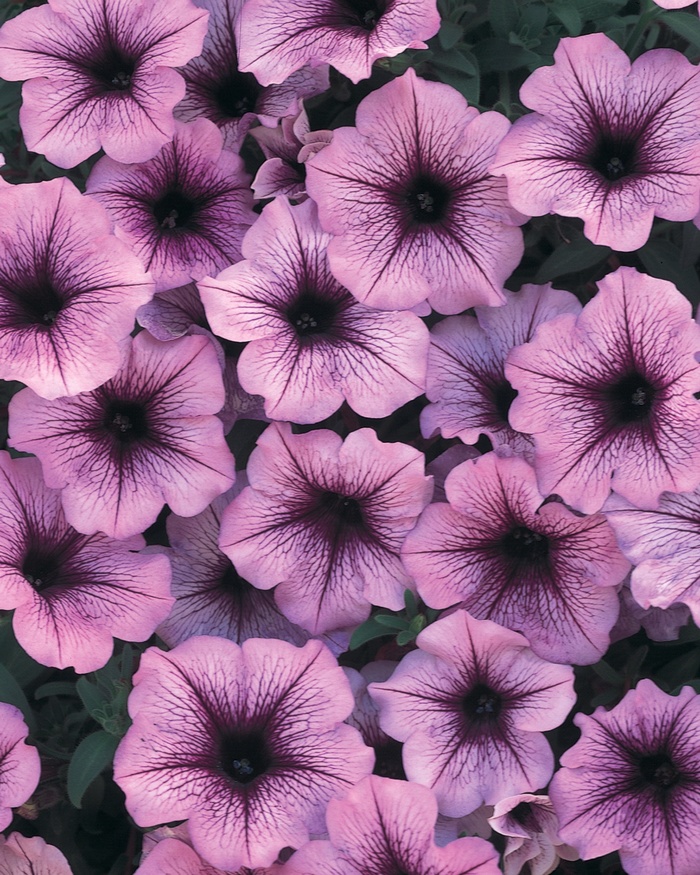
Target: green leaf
55, 688
367, 631
92, 697
391, 621
608, 673
404, 638
498, 55
450, 34
503, 16
533, 19
409, 599
91, 757
682, 669
686, 25
665, 261
569, 16
597, 10
13, 694
455, 60
576, 255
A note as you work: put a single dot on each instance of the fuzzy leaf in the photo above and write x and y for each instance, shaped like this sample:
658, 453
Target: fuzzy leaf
91, 757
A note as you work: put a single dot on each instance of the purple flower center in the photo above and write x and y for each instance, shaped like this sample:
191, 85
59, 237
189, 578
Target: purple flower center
525, 816
312, 314
659, 771
523, 543
37, 302
41, 568
174, 210
344, 512
244, 756
482, 705
126, 421
427, 199
613, 157
631, 399
114, 69
363, 13
236, 94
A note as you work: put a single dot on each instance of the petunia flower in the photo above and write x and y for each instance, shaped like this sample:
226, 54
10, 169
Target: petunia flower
100, 74
632, 783
145, 438
501, 553
246, 743
611, 142
287, 147
466, 381
608, 395
409, 198
184, 212
279, 38
20, 767
664, 545
533, 844
470, 706
173, 857
218, 90
69, 290
383, 826
324, 518
311, 344
180, 311
71, 593
211, 596
659, 624
20, 855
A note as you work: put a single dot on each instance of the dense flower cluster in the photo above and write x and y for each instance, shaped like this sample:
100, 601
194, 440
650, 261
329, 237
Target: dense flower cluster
350, 439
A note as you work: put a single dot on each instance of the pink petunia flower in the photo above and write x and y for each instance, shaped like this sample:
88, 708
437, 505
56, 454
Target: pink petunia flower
246, 743
71, 593
218, 90
501, 553
212, 597
173, 857
68, 290
659, 624
664, 545
100, 74
408, 195
20, 767
145, 438
383, 826
278, 38
184, 212
325, 518
470, 706
466, 381
608, 395
22, 856
632, 783
611, 142
311, 344
533, 844
180, 311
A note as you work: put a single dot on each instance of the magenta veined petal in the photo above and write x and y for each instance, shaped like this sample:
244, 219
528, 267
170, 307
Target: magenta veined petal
20, 767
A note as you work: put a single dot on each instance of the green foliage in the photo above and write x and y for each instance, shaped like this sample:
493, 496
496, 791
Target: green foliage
405, 626
92, 756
